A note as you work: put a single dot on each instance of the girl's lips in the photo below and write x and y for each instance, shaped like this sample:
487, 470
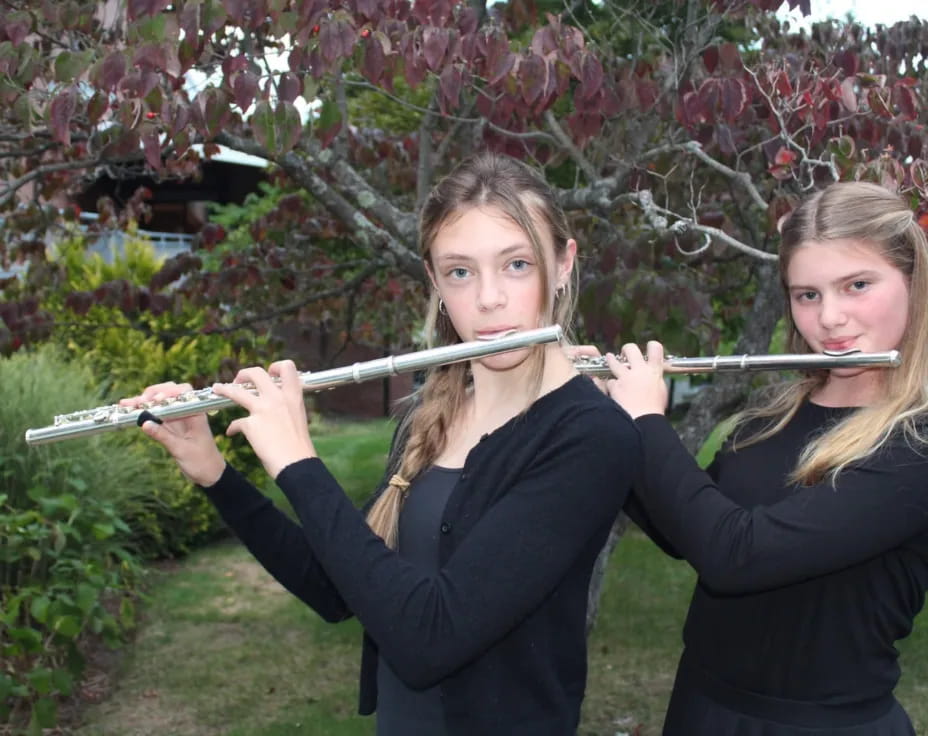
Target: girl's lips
838, 345
493, 334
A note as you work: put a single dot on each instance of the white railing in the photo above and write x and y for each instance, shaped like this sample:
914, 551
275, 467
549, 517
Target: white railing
165, 244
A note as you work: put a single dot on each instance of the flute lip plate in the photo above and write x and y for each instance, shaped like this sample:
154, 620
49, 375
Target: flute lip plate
838, 353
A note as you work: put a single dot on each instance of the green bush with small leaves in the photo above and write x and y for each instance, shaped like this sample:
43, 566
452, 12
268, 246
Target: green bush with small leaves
68, 567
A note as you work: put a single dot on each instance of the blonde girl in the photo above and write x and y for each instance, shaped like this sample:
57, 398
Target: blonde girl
469, 571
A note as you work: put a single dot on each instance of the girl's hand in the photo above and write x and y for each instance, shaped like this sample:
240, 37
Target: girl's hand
638, 386
276, 426
188, 440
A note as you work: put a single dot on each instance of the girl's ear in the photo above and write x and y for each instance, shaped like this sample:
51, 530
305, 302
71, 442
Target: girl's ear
428, 270
565, 263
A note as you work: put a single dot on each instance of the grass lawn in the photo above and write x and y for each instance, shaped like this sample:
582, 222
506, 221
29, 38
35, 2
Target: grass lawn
222, 649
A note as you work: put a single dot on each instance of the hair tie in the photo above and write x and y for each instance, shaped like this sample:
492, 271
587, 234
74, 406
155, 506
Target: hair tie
400, 482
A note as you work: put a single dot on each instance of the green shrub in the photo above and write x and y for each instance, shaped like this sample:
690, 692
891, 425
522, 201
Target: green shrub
66, 563
127, 353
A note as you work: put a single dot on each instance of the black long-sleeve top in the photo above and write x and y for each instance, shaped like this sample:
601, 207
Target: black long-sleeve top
501, 626
802, 591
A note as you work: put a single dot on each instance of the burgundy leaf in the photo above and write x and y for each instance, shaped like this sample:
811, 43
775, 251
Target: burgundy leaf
347, 36
434, 46
151, 146
729, 57
451, 81
329, 41
710, 93
782, 84
238, 11
60, 113
734, 99
591, 75
112, 70
413, 69
532, 77
289, 87
906, 101
849, 94
468, 21
501, 68
367, 8
96, 107
915, 147
177, 118
710, 57
372, 67
244, 89
17, 26
151, 57
232, 64
848, 61
544, 41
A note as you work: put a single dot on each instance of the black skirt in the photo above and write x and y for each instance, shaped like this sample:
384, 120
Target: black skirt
701, 705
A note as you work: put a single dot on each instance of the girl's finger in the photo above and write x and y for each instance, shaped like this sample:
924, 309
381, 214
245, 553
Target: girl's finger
632, 353
286, 372
655, 354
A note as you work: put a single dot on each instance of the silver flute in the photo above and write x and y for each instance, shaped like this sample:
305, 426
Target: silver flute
200, 401
107, 418
598, 368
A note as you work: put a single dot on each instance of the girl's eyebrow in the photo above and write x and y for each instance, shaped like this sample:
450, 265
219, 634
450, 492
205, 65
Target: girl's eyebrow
514, 248
839, 280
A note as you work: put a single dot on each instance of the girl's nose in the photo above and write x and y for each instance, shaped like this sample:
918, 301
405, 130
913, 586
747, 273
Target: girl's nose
490, 294
832, 312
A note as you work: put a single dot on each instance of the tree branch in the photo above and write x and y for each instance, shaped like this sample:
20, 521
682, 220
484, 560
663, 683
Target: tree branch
657, 215
589, 171
695, 149
9, 189
366, 232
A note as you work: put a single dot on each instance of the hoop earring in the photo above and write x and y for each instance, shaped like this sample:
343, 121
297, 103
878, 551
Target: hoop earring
559, 291
441, 306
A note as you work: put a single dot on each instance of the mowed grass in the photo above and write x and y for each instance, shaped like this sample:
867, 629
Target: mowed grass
223, 649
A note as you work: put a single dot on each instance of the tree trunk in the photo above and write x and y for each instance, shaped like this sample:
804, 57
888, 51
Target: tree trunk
725, 395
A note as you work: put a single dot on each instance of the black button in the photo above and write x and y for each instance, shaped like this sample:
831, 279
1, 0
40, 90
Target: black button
463, 475
445, 527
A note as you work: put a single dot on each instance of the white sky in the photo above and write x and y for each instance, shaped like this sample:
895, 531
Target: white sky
868, 12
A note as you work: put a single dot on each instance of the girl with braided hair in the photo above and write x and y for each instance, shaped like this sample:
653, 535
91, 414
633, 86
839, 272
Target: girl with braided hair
469, 570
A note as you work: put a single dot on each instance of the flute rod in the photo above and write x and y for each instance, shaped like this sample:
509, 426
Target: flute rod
109, 418
597, 367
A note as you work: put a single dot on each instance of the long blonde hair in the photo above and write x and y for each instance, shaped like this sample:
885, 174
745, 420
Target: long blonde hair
509, 186
875, 216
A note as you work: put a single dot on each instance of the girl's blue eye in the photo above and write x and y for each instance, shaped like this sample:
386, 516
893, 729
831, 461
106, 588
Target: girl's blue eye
805, 296
519, 264
459, 273
859, 285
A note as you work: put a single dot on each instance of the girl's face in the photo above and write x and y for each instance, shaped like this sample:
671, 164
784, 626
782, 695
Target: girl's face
486, 271
844, 294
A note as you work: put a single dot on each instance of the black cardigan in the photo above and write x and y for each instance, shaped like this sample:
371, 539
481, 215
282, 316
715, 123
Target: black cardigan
501, 628
803, 591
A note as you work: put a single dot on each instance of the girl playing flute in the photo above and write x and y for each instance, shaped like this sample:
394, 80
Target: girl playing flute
810, 529
469, 571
